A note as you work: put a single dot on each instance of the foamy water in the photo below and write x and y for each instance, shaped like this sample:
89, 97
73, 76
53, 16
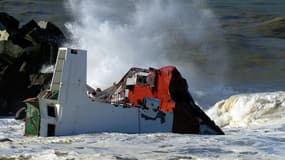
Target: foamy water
250, 141
250, 110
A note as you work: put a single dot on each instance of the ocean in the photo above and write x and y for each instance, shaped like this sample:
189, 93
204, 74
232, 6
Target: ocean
222, 48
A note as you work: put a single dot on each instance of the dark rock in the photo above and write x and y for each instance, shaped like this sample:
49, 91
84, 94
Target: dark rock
20, 37
10, 51
22, 56
8, 23
48, 33
37, 33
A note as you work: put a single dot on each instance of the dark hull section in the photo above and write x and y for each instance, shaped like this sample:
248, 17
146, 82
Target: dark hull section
188, 116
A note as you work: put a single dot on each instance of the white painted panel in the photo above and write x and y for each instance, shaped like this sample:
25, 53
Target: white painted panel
162, 123
98, 117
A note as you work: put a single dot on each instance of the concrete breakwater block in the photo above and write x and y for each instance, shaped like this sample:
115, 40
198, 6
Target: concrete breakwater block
23, 52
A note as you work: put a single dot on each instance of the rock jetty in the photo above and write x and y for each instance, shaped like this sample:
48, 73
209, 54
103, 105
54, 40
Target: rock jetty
24, 51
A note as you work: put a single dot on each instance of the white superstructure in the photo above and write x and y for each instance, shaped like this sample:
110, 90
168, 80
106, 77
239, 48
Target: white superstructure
73, 112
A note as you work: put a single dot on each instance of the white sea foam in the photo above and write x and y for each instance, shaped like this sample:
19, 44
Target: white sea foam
250, 110
237, 144
263, 142
47, 69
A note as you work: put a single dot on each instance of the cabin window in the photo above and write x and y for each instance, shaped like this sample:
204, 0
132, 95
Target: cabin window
141, 80
51, 111
51, 130
73, 51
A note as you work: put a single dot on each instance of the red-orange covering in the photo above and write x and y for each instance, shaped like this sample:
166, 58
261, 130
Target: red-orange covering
160, 91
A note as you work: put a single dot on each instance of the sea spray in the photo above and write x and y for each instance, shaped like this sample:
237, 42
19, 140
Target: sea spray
47, 69
148, 33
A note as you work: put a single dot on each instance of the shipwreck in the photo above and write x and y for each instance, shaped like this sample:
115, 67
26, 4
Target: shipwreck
143, 101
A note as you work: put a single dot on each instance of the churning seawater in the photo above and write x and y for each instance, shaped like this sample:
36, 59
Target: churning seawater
253, 123
221, 47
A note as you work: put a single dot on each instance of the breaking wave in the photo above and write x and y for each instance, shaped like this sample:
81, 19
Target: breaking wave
250, 110
146, 33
